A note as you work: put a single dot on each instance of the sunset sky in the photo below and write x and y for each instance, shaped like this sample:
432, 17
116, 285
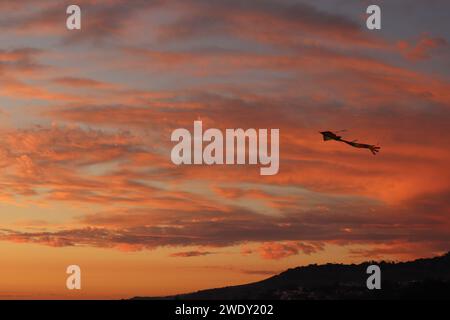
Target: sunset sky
86, 118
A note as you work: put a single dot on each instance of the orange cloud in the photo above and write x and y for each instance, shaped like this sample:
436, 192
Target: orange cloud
187, 254
305, 69
424, 47
275, 251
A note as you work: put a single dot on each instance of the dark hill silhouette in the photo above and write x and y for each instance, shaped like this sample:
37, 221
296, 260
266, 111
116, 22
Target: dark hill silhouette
419, 279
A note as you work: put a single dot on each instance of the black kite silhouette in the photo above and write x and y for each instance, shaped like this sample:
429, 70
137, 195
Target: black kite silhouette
328, 135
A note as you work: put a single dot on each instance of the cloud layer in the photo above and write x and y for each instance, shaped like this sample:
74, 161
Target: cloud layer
86, 121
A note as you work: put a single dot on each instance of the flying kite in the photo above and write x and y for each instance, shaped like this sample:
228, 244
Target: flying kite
328, 135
